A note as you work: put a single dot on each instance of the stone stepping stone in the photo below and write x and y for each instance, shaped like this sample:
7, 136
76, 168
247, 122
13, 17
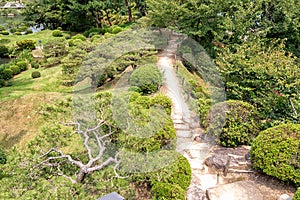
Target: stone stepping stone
183, 133
182, 127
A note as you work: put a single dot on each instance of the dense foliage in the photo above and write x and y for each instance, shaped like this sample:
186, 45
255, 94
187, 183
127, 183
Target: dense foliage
276, 150
234, 122
297, 195
148, 78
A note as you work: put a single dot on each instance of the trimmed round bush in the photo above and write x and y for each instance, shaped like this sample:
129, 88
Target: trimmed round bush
35, 65
163, 100
3, 51
26, 44
275, 151
96, 37
297, 195
148, 78
79, 36
2, 157
15, 69
35, 74
116, 30
57, 33
17, 33
22, 65
4, 32
233, 122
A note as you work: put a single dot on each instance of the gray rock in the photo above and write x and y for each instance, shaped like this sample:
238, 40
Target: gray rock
195, 193
284, 197
242, 190
217, 161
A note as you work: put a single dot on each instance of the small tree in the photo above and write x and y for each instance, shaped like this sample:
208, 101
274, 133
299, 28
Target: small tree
147, 78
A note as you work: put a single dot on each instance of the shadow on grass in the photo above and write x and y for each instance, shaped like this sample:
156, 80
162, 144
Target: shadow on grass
7, 142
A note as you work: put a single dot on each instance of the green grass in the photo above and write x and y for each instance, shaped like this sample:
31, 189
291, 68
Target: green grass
24, 84
44, 36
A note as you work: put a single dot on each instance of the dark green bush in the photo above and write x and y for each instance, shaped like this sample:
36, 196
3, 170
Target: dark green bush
7, 74
235, 122
4, 32
275, 151
2, 157
22, 65
29, 31
166, 191
297, 195
92, 30
15, 69
4, 51
2, 83
57, 33
35, 74
35, 65
148, 78
26, 44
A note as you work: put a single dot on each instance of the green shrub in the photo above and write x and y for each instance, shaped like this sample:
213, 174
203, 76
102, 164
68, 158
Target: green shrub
57, 33
2, 28
4, 51
17, 33
177, 172
7, 74
59, 28
95, 37
22, 65
26, 44
15, 69
35, 65
275, 151
35, 74
147, 78
297, 195
4, 41
164, 101
92, 30
2, 83
2, 157
166, 191
235, 122
116, 30
79, 36
13, 30
29, 31
4, 32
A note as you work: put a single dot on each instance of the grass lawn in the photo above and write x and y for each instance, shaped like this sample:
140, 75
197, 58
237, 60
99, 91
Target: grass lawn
10, 40
20, 120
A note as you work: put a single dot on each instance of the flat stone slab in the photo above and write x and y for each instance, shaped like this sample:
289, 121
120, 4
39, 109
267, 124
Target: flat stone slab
181, 127
242, 190
184, 133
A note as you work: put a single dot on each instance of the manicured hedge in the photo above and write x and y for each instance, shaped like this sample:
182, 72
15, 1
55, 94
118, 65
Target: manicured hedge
276, 151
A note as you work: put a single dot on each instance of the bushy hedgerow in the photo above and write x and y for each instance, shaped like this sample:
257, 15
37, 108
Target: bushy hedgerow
148, 78
275, 151
163, 100
92, 30
297, 195
15, 69
235, 122
7, 74
116, 29
22, 65
26, 44
96, 37
28, 31
57, 33
17, 33
2, 157
79, 36
3, 51
35, 74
